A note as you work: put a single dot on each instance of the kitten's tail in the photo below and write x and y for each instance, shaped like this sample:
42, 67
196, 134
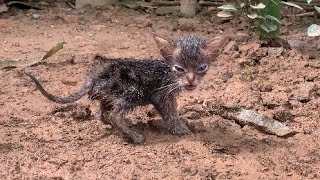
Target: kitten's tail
72, 98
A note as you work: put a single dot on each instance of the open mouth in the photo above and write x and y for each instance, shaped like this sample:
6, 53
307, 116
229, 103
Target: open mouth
190, 87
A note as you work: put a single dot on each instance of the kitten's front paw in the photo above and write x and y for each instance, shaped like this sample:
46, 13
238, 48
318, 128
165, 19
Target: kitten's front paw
180, 129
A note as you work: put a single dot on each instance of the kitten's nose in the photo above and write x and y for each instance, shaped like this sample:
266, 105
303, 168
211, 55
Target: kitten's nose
190, 77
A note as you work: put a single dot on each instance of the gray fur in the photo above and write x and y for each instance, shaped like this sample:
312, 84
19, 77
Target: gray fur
122, 84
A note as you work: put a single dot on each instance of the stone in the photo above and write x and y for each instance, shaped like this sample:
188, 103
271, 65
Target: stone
3, 8
35, 16
283, 115
196, 126
249, 49
264, 123
226, 76
241, 37
185, 24
192, 115
275, 52
231, 46
265, 87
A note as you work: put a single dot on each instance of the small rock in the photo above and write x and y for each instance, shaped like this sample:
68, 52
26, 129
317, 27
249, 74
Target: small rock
186, 24
75, 111
243, 62
192, 115
231, 46
35, 16
108, 126
196, 125
241, 37
226, 76
265, 87
283, 115
249, 49
275, 52
3, 8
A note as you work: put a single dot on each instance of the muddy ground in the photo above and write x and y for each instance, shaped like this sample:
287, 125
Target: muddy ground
43, 140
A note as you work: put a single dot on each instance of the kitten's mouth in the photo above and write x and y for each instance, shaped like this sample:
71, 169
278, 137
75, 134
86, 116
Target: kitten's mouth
190, 87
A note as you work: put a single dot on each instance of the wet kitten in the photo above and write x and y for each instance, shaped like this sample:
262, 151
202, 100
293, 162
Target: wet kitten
122, 84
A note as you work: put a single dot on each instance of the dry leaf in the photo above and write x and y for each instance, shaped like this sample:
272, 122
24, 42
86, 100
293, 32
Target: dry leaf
14, 64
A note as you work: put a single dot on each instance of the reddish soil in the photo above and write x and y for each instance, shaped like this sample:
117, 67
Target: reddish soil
43, 140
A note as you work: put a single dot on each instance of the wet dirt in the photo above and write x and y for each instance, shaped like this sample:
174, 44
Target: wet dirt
42, 140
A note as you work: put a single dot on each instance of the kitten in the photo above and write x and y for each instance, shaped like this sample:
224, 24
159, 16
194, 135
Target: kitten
122, 84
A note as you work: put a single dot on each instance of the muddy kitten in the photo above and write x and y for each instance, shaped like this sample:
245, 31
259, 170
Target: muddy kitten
121, 84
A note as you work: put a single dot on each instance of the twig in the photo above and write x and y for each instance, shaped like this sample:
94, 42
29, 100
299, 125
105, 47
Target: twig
207, 3
308, 14
176, 3
166, 3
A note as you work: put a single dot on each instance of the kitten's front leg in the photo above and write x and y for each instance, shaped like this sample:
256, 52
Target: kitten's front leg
119, 120
105, 110
168, 110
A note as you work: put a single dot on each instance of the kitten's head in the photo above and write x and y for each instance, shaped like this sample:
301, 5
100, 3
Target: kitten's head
190, 57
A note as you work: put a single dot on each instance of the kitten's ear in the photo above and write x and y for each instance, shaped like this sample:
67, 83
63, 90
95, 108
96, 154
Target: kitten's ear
165, 45
214, 46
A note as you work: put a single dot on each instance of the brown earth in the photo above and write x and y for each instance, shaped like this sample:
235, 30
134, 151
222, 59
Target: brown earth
43, 140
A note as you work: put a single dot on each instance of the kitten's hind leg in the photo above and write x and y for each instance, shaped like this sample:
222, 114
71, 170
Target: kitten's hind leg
167, 108
119, 120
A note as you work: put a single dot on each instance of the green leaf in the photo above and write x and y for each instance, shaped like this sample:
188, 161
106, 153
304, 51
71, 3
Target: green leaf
224, 14
309, 1
272, 27
259, 6
265, 28
317, 8
275, 3
228, 7
314, 30
292, 4
272, 18
269, 27
252, 16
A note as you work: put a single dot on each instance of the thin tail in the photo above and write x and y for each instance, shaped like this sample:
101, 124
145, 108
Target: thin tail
72, 98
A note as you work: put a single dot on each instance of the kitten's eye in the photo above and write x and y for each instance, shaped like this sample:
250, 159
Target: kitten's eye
178, 69
203, 68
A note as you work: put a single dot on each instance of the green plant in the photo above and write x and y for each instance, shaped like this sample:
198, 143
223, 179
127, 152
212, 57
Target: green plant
314, 29
264, 15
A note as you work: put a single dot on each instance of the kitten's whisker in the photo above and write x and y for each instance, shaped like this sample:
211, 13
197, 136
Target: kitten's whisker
167, 86
164, 91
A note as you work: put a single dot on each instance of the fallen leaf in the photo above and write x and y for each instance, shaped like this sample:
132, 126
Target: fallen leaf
15, 64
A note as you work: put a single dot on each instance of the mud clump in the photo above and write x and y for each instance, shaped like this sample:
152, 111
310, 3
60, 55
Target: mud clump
74, 111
